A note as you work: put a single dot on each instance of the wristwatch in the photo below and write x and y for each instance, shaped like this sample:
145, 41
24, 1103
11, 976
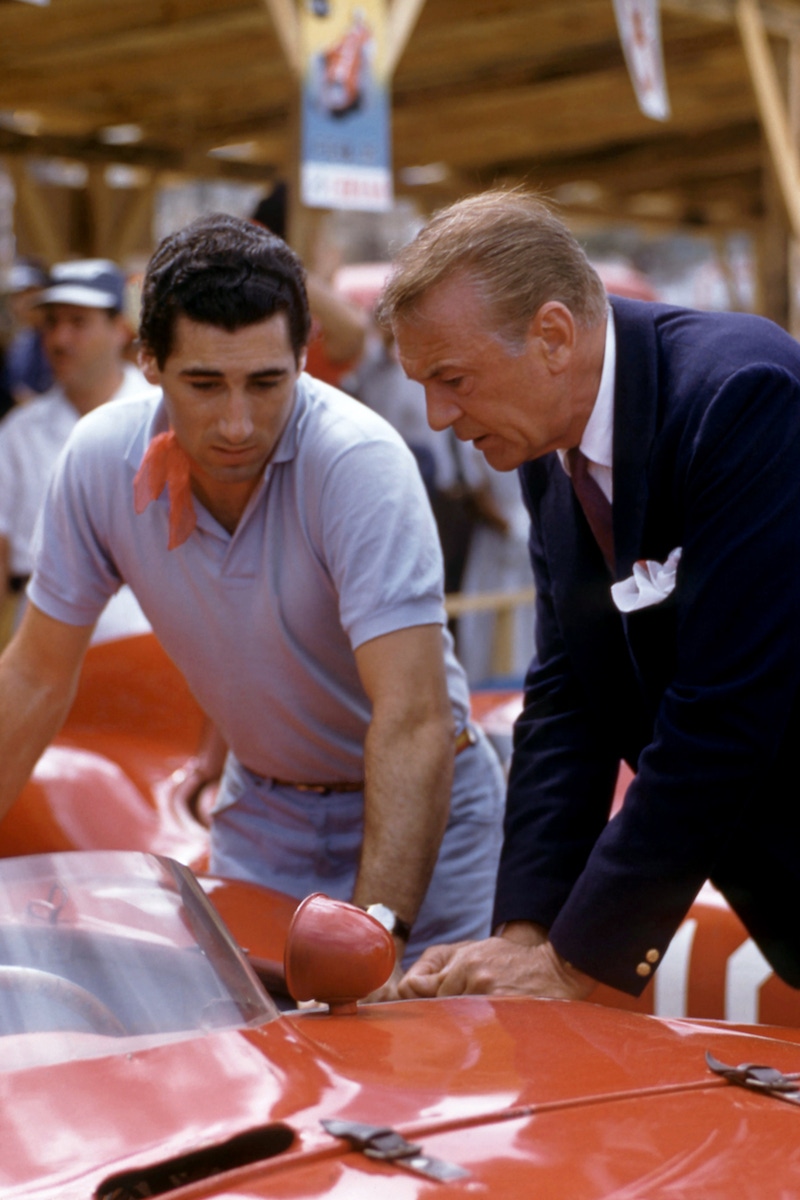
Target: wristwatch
389, 920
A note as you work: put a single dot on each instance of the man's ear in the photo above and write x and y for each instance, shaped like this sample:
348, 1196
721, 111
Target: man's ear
301, 359
553, 325
149, 367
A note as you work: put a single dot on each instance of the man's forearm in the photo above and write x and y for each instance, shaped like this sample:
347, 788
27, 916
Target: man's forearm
38, 677
30, 716
409, 773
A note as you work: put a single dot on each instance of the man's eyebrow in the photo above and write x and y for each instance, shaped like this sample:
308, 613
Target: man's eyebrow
430, 373
439, 369
214, 373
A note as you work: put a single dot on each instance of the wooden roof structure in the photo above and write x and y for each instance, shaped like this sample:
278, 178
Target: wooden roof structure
484, 90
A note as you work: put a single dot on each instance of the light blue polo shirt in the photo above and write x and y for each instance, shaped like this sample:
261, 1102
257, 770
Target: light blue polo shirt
336, 546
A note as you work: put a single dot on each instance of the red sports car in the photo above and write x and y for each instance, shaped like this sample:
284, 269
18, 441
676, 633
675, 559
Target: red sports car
140, 1056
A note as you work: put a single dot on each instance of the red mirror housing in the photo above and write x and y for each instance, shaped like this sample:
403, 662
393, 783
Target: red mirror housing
336, 953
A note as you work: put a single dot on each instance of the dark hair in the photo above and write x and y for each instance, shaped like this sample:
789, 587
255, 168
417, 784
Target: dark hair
222, 271
271, 211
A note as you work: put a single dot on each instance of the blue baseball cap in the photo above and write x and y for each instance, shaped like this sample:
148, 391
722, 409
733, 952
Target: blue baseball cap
88, 283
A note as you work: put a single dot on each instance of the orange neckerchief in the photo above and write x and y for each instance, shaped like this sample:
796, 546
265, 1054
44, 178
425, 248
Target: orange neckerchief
165, 464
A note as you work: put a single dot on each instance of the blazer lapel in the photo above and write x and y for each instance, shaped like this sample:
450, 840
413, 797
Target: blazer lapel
635, 405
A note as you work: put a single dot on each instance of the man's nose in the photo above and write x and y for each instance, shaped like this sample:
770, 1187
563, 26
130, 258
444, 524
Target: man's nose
236, 423
57, 335
442, 410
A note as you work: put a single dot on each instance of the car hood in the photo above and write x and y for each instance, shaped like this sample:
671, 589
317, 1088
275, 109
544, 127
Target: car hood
554, 1097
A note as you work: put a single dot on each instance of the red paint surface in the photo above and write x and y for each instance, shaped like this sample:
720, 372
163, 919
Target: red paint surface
545, 1098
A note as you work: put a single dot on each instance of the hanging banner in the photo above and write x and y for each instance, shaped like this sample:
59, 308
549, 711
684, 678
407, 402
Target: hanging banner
346, 149
639, 25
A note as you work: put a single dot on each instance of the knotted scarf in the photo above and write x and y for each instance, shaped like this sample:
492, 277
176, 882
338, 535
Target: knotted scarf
165, 464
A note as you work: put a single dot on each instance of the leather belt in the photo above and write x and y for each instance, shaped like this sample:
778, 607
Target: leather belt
320, 789
468, 737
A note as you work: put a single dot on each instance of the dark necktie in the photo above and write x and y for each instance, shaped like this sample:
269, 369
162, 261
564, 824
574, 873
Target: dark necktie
594, 503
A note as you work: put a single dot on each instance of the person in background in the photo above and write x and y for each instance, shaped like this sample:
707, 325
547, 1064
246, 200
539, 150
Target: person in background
497, 561
84, 334
28, 370
339, 328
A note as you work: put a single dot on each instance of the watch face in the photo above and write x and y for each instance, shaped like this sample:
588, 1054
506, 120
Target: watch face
390, 920
383, 914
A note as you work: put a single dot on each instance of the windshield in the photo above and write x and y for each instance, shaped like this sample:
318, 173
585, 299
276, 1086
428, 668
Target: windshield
111, 945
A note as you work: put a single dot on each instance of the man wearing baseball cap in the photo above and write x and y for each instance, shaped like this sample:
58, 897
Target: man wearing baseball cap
85, 334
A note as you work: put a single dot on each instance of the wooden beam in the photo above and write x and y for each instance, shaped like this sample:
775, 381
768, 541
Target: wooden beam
569, 114
458, 603
31, 210
781, 19
191, 161
652, 164
287, 27
771, 107
159, 37
401, 19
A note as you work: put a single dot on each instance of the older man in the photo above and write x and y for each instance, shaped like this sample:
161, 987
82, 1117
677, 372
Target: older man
658, 451
278, 537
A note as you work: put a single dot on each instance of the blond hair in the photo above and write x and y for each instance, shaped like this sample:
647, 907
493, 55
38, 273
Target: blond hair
517, 252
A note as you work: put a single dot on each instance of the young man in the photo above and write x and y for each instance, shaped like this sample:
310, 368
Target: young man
278, 538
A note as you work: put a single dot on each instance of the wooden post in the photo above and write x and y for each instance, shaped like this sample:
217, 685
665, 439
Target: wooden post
31, 212
287, 27
402, 17
139, 210
773, 250
771, 107
770, 77
793, 103
100, 214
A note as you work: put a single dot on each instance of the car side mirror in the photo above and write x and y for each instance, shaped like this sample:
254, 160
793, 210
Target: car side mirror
336, 953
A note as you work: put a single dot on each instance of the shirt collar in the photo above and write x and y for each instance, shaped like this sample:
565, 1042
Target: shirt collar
597, 442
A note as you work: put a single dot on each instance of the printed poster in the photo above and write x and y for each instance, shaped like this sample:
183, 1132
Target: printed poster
345, 140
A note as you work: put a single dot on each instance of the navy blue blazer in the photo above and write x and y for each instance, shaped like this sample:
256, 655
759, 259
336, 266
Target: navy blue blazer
699, 693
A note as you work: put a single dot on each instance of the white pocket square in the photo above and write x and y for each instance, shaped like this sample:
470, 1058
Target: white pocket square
650, 583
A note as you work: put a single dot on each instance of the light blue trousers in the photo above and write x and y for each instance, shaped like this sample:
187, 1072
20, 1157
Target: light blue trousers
300, 842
